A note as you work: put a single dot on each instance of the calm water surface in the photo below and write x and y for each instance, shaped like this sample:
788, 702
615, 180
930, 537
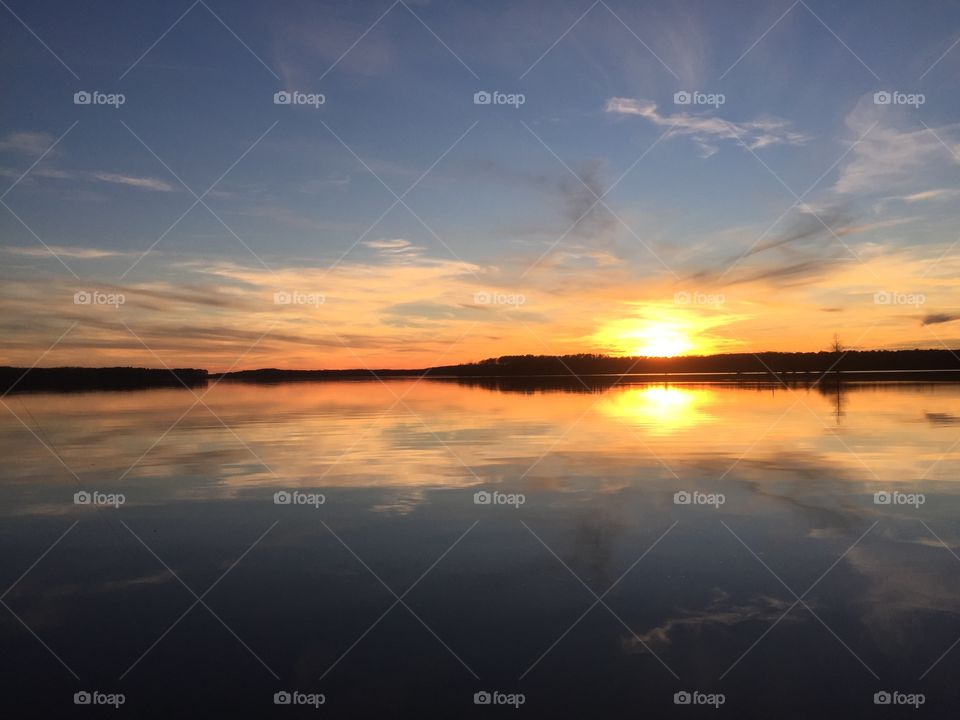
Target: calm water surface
794, 594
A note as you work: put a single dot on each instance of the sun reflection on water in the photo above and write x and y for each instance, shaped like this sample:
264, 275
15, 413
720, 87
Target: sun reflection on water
665, 408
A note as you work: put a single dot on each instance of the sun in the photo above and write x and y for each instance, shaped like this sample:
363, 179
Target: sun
656, 339
649, 338
663, 330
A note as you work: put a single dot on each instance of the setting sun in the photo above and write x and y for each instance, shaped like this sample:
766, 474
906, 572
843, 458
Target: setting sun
659, 340
650, 338
661, 330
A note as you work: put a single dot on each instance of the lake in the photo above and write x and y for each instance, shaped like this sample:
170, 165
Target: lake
432, 547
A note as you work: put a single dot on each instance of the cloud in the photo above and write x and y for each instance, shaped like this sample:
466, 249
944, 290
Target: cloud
892, 156
397, 246
937, 318
27, 143
145, 183
804, 225
422, 314
936, 195
927, 195
53, 173
37, 143
755, 134
579, 197
79, 253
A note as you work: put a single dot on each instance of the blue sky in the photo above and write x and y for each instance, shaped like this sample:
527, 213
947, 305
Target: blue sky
705, 201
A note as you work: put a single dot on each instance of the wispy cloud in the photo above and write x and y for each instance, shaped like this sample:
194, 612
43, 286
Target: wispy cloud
112, 178
396, 246
939, 318
79, 253
704, 129
924, 196
895, 155
144, 183
26, 142
37, 143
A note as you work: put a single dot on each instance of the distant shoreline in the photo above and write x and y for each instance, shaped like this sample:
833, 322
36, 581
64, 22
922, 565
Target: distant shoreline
75, 379
591, 370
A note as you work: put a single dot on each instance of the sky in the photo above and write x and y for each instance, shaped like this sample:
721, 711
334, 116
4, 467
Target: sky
452, 181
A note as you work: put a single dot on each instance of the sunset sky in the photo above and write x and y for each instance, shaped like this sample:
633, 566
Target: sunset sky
401, 224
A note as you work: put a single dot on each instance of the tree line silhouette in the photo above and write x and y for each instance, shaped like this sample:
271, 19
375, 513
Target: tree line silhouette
796, 366
70, 379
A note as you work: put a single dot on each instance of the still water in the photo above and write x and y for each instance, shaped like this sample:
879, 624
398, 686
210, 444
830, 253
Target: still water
626, 544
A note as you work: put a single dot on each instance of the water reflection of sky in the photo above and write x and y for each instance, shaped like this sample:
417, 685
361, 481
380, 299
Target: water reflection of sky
798, 470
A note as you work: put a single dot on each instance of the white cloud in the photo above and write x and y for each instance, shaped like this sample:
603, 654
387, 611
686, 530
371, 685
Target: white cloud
893, 157
397, 246
755, 134
145, 183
